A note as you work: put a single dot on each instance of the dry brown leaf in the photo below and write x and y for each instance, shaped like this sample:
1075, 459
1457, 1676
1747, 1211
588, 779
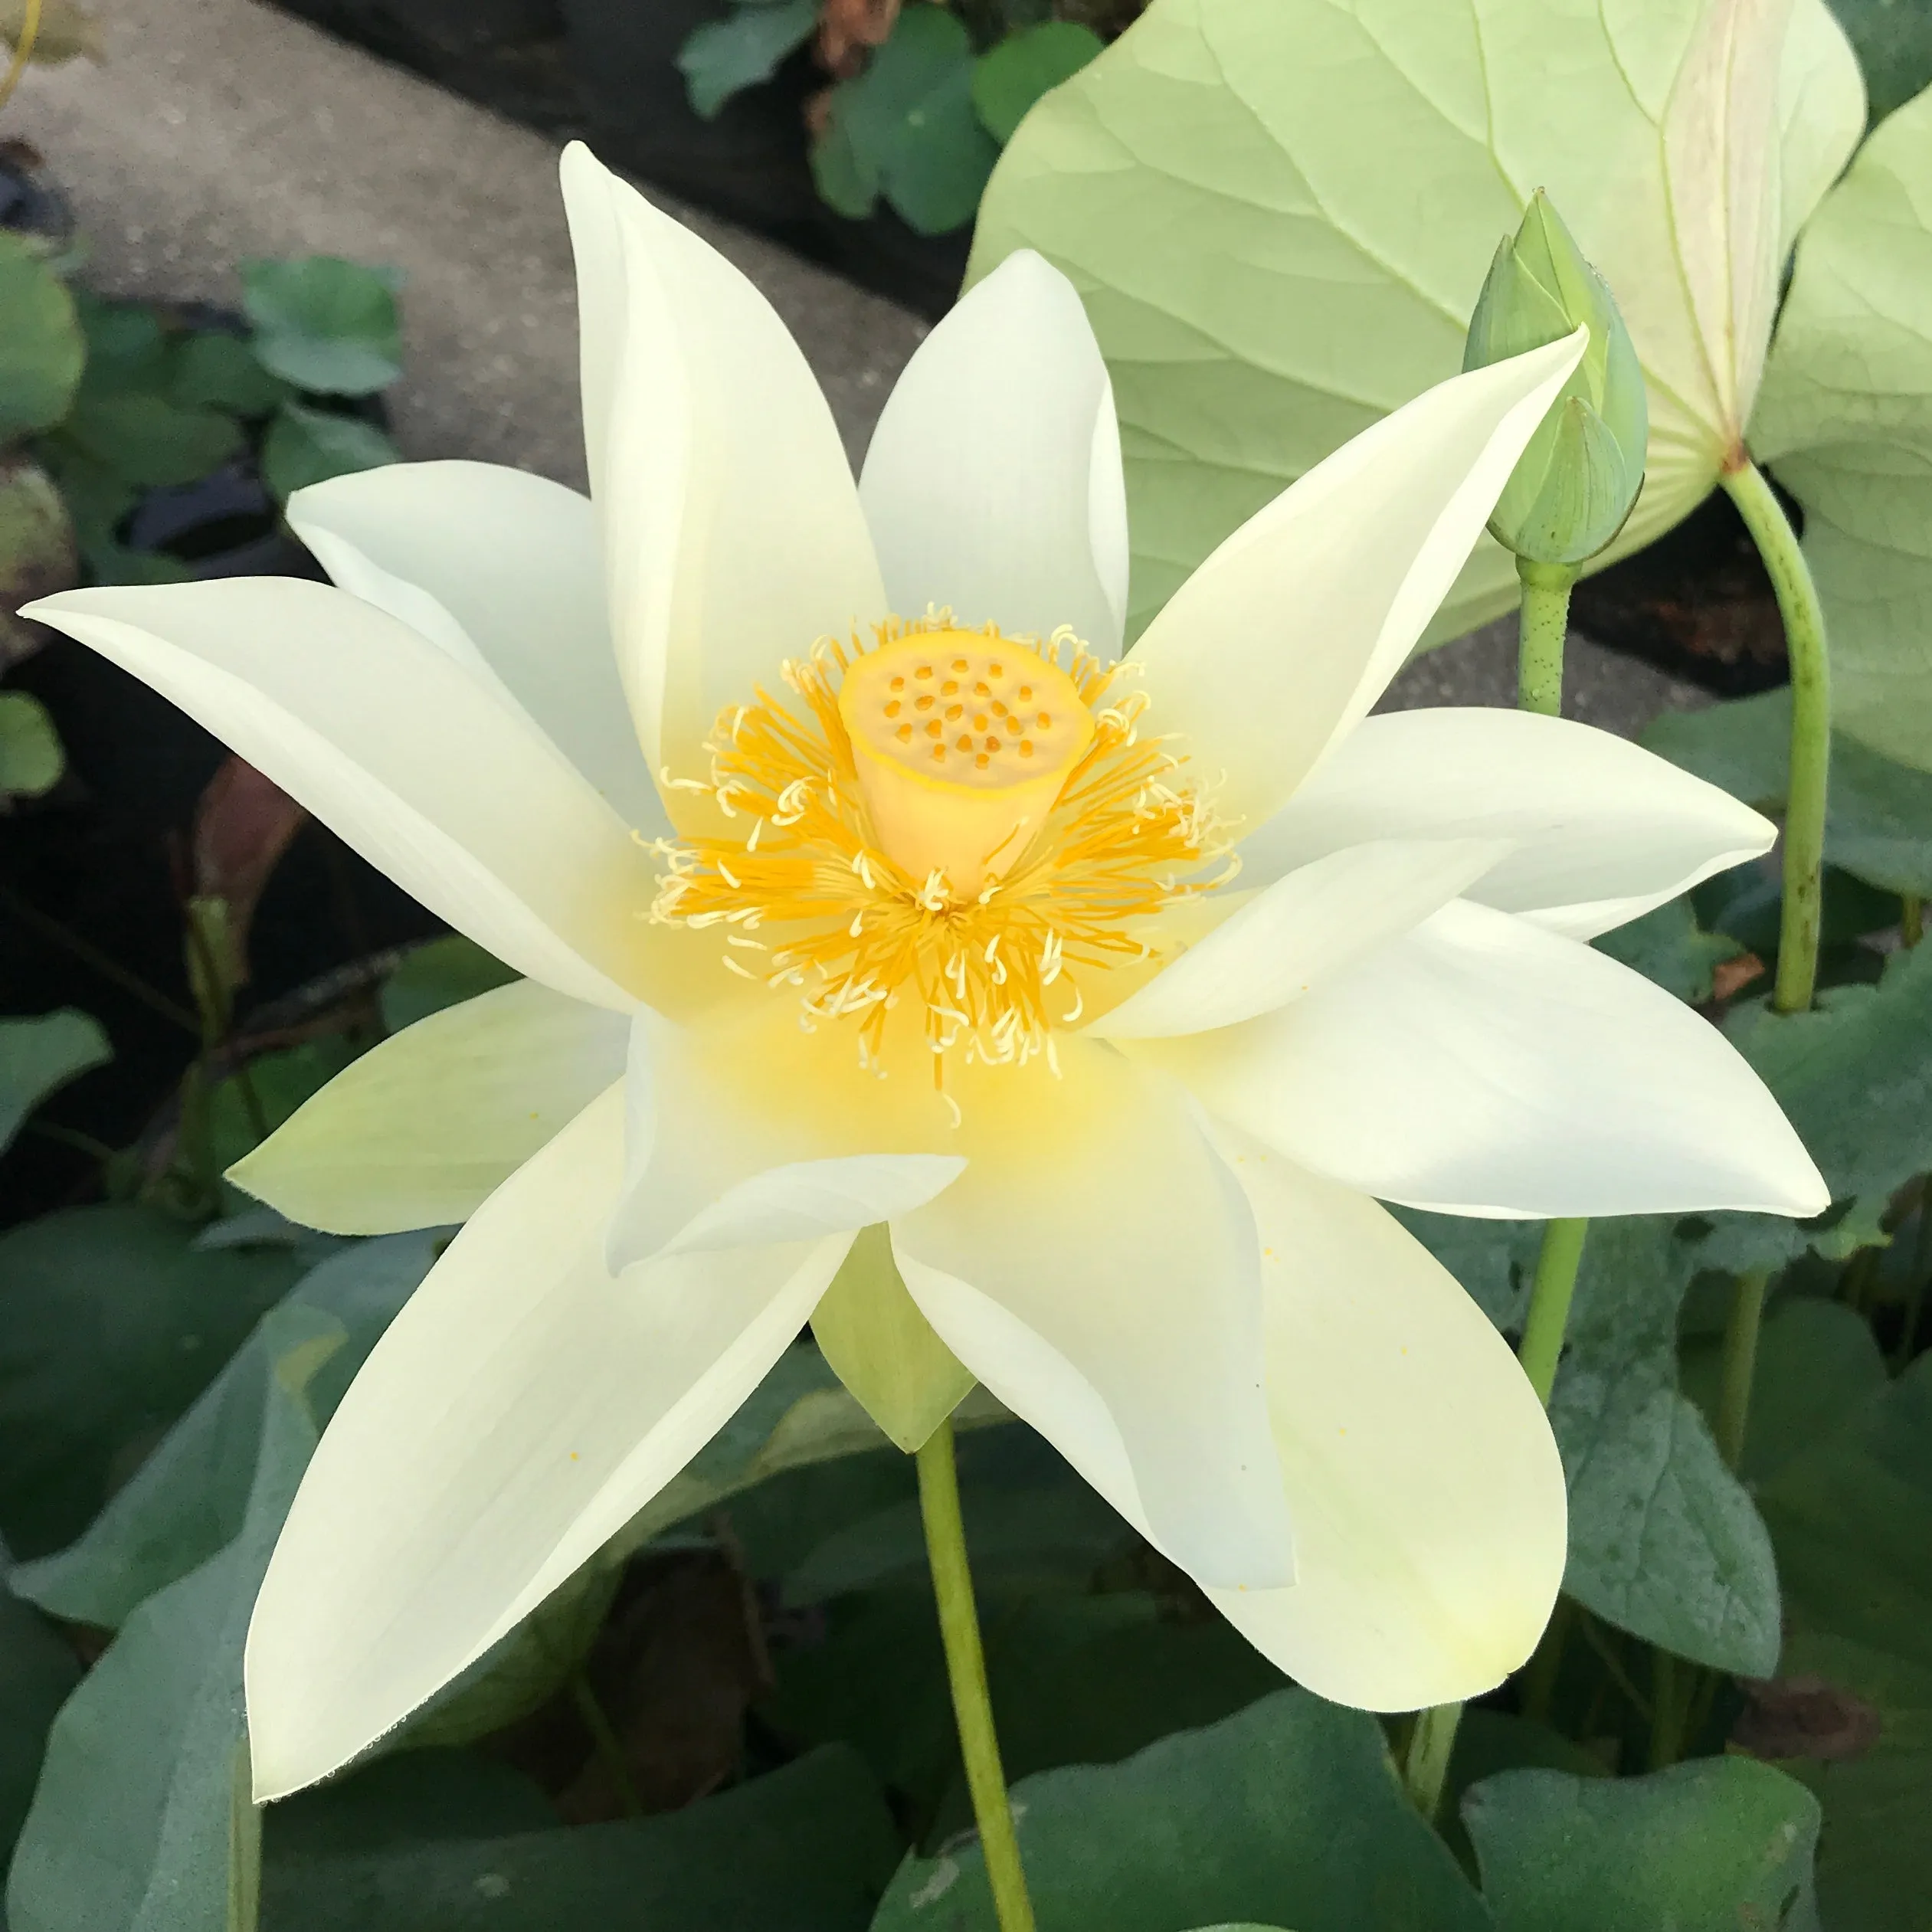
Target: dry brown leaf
1805, 1717
1734, 975
243, 825
849, 30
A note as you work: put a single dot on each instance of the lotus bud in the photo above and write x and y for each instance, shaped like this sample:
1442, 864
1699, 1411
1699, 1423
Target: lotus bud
1577, 483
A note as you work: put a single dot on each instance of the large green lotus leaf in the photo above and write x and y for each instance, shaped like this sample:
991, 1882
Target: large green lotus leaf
142, 1818
1854, 1076
112, 1322
1720, 1843
189, 1499
37, 1669
38, 1055
807, 1848
1851, 1516
1846, 421
1893, 39
1289, 1813
1878, 815
1279, 213
41, 350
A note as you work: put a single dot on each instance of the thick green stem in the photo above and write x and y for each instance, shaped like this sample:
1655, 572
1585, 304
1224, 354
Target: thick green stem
1557, 1263
1666, 1711
1542, 625
1811, 732
1911, 918
1425, 1768
952, 1583
1540, 628
1740, 1363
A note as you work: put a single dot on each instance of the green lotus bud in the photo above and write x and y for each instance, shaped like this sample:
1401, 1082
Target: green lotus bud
1575, 484
880, 1345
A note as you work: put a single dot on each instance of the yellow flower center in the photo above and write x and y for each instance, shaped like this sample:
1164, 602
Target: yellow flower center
961, 825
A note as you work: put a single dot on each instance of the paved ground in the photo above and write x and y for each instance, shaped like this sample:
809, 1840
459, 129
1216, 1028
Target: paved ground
217, 129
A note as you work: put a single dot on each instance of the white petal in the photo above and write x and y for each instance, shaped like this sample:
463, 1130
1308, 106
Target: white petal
1425, 1486
407, 756
1289, 632
1097, 1257
732, 531
421, 1129
806, 1199
520, 1409
1604, 829
1306, 926
503, 569
1482, 1066
993, 482
714, 1161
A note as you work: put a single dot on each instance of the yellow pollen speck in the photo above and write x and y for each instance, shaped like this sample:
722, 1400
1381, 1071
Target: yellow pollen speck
953, 711
894, 708
573, 1456
975, 894
950, 689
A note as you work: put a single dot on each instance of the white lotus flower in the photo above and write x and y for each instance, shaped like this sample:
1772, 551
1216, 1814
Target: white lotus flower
986, 983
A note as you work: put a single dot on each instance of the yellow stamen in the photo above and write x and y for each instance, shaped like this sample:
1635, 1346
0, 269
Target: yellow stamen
975, 878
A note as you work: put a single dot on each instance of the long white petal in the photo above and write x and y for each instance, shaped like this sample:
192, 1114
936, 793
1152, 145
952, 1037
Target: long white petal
1306, 926
423, 1128
1289, 632
503, 569
1482, 1066
1096, 1258
523, 1405
1602, 830
993, 482
732, 531
714, 1160
1425, 1488
403, 753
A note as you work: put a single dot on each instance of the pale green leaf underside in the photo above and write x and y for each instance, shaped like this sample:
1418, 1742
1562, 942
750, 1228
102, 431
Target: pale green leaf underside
1846, 419
1279, 213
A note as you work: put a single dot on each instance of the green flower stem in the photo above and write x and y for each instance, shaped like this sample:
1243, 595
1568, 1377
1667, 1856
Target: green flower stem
1666, 1709
1557, 1263
605, 1742
1540, 629
1911, 918
1740, 1363
1425, 1768
1811, 732
1542, 626
30, 29
952, 1583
